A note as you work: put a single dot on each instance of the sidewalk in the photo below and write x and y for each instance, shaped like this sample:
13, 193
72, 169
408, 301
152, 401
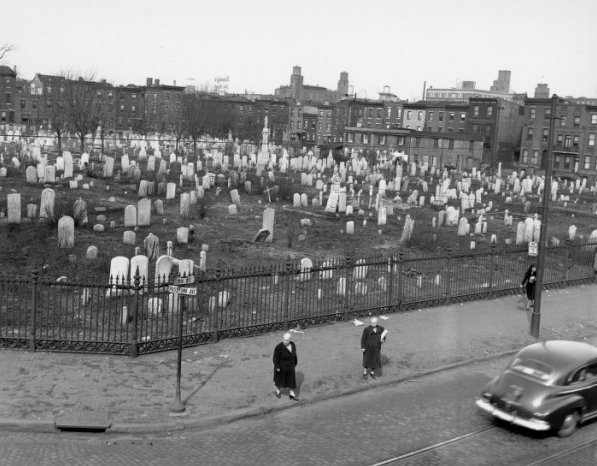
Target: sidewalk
233, 379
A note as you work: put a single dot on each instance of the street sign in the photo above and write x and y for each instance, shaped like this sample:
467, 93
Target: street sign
185, 280
182, 290
533, 248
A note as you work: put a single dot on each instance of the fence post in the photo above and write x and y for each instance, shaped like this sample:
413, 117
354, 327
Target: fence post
566, 262
33, 312
349, 267
216, 309
492, 259
133, 343
391, 265
287, 293
448, 291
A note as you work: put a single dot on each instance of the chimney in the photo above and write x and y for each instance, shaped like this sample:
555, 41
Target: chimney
157, 82
16, 69
174, 82
149, 82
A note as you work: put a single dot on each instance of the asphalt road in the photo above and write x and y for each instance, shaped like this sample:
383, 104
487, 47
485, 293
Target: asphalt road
428, 421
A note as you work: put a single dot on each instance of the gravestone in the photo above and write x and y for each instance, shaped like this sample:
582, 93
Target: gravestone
182, 235
520, 233
13, 202
268, 223
129, 237
46, 208
66, 232
119, 269
50, 174
142, 263
31, 211
130, 216
91, 252
159, 207
185, 205
31, 174
350, 228
108, 167
235, 197
80, 211
170, 190
163, 269
143, 213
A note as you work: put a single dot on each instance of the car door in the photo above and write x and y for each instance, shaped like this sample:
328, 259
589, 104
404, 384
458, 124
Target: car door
591, 388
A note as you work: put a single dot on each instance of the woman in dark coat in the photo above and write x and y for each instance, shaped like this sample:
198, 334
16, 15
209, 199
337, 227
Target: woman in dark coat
373, 336
285, 361
529, 280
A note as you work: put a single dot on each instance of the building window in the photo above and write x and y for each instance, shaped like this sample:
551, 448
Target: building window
563, 120
567, 141
419, 128
292, 125
530, 132
567, 162
155, 96
440, 116
435, 143
389, 112
298, 124
532, 113
489, 110
575, 140
451, 116
535, 157
420, 116
400, 140
408, 115
133, 109
365, 139
292, 112
430, 118
576, 120
451, 144
594, 118
545, 136
559, 139
382, 140
591, 142
476, 111
525, 155
587, 164
417, 142
547, 112
557, 161
463, 116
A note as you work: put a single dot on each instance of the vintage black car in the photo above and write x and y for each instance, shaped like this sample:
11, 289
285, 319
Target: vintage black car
550, 385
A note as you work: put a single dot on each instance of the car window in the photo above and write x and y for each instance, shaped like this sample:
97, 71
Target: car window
532, 368
579, 376
592, 371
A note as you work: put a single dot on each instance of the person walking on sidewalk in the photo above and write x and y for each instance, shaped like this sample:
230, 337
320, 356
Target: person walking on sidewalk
285, 360
371, 340
529, 280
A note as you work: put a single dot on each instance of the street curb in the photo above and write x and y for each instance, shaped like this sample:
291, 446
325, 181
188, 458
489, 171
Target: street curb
24, 425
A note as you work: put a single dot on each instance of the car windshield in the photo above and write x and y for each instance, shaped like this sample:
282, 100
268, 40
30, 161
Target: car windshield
532, 368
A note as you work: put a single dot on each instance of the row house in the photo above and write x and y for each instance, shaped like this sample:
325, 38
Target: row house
454, 150
414, 116
499, 123
130, 109
163, 106
445, 117
8, 95
573, 141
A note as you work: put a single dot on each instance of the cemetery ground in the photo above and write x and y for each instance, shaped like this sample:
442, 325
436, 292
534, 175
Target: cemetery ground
300, 231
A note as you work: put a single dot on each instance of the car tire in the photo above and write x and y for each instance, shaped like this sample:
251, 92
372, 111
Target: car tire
569, 424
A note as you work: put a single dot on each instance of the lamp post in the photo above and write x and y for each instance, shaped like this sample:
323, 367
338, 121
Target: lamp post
536, 314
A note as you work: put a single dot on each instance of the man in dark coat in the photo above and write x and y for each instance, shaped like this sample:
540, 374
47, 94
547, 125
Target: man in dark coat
373, 336
285, 361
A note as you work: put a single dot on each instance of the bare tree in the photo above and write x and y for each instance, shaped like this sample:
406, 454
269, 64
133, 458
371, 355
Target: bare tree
57, 115
5, 49
84, 104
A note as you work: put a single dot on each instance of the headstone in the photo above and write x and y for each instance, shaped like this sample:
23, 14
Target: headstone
31, 174
159, 207
163, 269
170, 190
129, 237
130, 216
46, 209
235, 197
13, 202
66, 232
182, 235
91, 252
119, 269
350, 228
520, 233
143, 213
80, 211
268, 223
108, 167
185, 205
142, 263
50, 174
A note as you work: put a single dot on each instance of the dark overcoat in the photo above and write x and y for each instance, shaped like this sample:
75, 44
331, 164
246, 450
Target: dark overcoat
371, 343
529, 280
285, 361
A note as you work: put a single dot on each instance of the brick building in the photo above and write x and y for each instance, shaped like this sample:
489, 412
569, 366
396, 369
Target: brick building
8, 95
300, 91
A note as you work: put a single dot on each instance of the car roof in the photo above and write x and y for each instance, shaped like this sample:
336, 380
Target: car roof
562, 355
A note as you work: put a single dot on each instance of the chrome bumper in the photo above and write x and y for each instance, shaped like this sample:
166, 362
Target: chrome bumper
533, 424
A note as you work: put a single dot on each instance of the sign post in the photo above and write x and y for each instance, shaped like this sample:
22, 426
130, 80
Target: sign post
179, 292
533, 248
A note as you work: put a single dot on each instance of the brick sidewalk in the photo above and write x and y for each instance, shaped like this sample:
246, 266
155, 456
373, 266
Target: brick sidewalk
233, 378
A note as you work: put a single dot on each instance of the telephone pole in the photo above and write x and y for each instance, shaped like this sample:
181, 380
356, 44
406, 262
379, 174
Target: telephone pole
536, 314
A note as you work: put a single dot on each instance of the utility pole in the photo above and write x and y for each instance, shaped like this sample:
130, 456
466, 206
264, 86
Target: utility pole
536, 314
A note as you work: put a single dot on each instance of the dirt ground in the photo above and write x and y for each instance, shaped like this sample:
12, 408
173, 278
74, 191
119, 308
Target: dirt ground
298, 232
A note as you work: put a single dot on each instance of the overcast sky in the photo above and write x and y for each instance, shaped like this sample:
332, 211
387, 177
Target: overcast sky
257, 42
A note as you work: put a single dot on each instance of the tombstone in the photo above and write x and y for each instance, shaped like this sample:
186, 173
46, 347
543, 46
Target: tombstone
268, 223
46, 208
341, 286
98, 228
520, 233
441, 218
142, 263
144, 188
381, 216
108, 167
182, 235
407, 231
235, 197
493, 239
451, 216
50, 174
130, 216
91, 252
350, 228
296, 200
31, 211
31, 174
185, 205
305, 269
529, 226
66, 232
163, 269
13, 202
129, 237
119, 269
572, 232
463, 227
159, 207
143, 213
203, 261
80, 211
170, 190
360, 270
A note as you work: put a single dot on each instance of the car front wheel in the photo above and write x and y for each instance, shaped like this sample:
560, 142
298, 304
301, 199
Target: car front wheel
569, 425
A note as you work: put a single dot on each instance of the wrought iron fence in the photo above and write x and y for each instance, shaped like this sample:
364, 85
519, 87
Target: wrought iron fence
138, 315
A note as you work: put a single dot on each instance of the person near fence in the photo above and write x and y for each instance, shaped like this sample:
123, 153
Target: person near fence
371, 340
528, 281
285, 361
